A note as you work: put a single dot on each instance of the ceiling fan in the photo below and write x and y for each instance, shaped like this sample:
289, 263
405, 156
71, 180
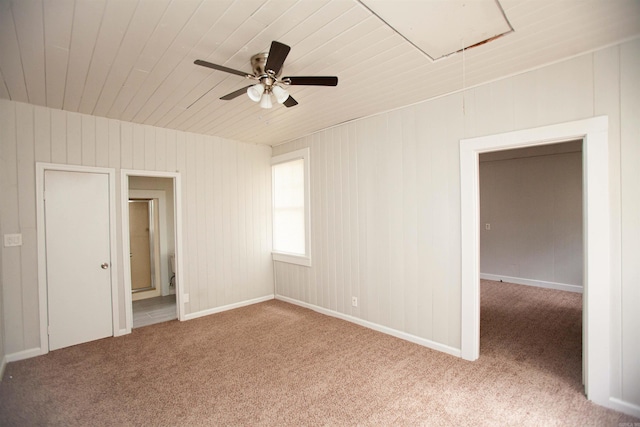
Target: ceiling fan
267, 69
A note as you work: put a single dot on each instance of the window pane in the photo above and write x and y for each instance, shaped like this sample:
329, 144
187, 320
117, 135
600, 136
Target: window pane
288, 207
288, 235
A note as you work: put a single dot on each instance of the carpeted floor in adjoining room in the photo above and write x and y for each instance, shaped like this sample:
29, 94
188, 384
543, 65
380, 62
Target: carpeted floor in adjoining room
281, 365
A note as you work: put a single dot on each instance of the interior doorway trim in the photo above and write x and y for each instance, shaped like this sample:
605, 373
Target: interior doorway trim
160, 197
177, 215
42, 249
597, 322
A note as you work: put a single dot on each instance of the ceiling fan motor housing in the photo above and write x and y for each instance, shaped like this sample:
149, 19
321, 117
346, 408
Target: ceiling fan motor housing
267, 78
258, 63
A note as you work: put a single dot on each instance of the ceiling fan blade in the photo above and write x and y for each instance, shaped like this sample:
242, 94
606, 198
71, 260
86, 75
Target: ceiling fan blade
290, 102
277, 54
235, 93
313, 80
220, 68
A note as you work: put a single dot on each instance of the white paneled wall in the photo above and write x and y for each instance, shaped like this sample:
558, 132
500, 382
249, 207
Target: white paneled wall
385, 196
385, 221
226, 187
630, 220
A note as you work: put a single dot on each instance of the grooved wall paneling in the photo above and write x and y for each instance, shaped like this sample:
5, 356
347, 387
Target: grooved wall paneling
226, 205
630, 220
385, 194
382, 193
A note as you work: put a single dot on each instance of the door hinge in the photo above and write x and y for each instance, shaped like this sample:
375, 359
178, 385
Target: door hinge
48, 329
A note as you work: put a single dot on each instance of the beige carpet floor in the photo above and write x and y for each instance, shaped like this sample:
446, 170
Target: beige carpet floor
278, 364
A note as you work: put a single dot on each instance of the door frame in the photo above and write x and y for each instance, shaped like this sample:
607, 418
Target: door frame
160, 238
596, 234
177, 230
42, 250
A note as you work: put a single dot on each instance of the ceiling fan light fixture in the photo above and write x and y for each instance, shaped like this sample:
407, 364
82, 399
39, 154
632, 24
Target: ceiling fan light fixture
267, 68
255, 92
280, 94
265, 102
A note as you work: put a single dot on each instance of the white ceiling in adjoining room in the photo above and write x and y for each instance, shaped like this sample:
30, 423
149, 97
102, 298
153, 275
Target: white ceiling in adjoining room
133, 59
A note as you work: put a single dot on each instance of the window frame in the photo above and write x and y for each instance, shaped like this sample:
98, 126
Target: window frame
292, 258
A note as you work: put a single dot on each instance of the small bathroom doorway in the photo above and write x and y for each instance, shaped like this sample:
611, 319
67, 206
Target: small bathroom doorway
152, 249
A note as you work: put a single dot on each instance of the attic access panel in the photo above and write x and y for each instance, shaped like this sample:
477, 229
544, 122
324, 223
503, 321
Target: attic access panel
440, 28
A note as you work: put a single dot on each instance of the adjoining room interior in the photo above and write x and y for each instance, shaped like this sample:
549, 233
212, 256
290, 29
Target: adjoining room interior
297, 183
144, 252
531, 216
534, 327
154, 310
531, 256
152, 250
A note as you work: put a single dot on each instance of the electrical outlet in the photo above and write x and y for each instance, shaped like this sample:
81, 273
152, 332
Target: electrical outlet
12, 240
354, 301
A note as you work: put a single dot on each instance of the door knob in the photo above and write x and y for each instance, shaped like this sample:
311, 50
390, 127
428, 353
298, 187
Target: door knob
104, 265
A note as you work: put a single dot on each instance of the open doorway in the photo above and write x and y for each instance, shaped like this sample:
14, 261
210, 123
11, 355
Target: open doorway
596, 225
151, 240
531, 261
151, 250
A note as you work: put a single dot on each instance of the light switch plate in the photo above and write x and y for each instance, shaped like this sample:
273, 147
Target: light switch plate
12, 240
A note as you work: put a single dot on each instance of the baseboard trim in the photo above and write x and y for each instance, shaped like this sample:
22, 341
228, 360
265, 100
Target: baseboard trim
24, 354
376, 327
530, 282
624, 407
215, 310
122, 332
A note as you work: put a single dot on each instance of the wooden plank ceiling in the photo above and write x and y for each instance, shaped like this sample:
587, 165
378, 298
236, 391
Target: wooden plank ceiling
133, 59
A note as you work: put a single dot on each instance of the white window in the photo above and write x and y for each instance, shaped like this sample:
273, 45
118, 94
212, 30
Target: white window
290, 175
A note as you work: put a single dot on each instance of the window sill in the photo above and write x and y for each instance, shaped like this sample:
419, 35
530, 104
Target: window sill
292, 259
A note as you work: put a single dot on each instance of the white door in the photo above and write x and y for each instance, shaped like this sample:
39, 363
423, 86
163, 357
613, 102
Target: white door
78, 257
